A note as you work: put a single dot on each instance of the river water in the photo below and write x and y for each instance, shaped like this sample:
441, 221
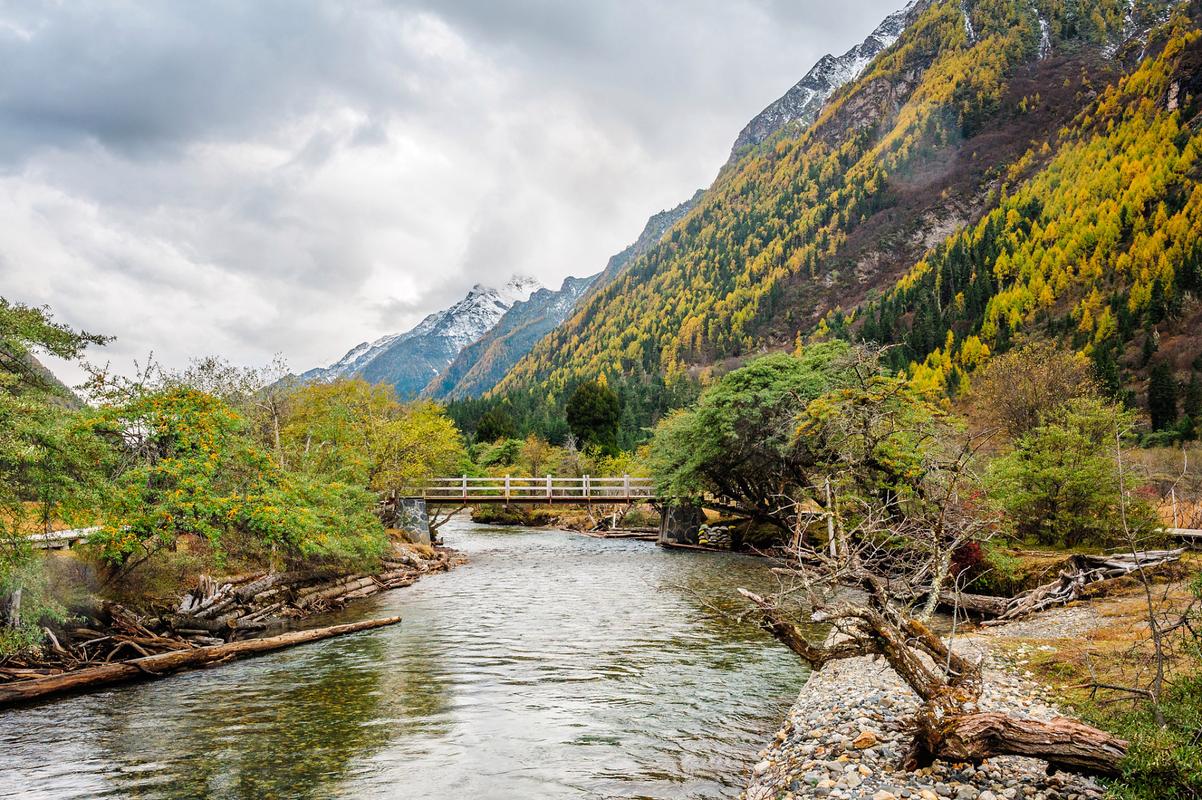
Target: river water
552, 665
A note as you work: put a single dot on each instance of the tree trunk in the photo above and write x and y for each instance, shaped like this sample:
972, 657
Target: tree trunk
12, 609
944, 732
162, 664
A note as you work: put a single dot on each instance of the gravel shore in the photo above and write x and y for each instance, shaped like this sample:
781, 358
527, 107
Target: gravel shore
846, 733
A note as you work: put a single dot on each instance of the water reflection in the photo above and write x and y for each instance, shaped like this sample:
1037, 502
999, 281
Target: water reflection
552, 666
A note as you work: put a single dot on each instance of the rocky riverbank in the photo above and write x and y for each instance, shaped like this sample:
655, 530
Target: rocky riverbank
847, 732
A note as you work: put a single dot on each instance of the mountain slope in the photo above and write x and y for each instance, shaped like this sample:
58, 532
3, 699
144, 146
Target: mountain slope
409, 360
933, 137
800, 106
1098, 242
479, 366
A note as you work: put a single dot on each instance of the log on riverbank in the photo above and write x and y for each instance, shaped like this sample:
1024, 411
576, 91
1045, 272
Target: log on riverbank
947, 724
1082, 571
162, 664
1084, 575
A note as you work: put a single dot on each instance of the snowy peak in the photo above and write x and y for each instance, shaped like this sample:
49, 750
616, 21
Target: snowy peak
484, 362
408, 360
473, 316
519, 288
803, 102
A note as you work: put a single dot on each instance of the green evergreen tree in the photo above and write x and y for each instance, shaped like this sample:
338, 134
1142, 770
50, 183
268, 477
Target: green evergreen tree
1106, 372
1149, 348
594, 411
495, 424
1192, 405
1162, 397
1157, 305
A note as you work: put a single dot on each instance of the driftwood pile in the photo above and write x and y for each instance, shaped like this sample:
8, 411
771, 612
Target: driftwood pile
247, 603
1080, 572
75, 647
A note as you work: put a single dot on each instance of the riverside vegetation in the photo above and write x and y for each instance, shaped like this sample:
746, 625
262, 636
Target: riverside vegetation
213, 471
870, 481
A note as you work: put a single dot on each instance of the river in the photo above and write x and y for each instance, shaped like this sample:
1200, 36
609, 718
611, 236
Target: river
552, 665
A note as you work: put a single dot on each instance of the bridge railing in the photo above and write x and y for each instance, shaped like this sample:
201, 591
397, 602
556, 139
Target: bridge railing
546, 489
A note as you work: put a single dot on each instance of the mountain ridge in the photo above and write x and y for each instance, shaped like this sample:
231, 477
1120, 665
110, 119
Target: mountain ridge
802, 103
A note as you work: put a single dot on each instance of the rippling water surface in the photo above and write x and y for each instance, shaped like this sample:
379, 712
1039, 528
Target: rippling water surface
551, 666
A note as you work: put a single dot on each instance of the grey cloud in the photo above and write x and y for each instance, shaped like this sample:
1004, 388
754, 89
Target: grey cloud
301, 175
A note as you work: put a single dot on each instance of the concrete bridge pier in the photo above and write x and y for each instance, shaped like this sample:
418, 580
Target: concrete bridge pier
680, 523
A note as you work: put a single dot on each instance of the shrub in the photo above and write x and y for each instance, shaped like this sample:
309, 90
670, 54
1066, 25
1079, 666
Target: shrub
1061, 485
1163, 763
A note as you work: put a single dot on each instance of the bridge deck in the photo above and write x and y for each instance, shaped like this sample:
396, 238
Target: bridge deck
466, 490
60, 540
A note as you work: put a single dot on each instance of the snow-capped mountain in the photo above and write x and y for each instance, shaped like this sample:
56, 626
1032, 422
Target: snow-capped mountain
410, 360
482, 364
802, 103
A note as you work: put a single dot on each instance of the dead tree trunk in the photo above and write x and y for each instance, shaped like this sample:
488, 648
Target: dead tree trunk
1082, 575
943, 729
162, 664
1082, 570
1065, 744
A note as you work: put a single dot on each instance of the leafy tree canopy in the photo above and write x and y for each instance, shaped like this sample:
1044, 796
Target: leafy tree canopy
360, 434
46, 469
185, 465
494, 425
739, 441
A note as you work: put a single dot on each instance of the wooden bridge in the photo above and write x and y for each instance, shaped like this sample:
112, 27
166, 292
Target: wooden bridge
588, 490
60, 540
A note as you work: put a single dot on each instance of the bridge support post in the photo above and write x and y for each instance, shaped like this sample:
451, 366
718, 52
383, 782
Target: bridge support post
680, 523
411, 516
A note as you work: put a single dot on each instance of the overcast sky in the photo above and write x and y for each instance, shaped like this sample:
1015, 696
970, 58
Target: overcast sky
245, 178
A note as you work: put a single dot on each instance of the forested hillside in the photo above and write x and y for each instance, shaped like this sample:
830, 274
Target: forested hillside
1007, 166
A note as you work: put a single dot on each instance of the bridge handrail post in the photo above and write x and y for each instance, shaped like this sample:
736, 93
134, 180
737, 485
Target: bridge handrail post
506, 488
465, 486
548, 488
626, 486
587, 488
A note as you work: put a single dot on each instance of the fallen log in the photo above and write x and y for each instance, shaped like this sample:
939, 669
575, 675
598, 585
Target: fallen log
974, 603
1084, 576
344, 587
157, 666
1065, 744
683, 546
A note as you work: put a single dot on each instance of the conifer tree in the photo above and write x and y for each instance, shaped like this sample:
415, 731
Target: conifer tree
1162, 397
1192, 405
